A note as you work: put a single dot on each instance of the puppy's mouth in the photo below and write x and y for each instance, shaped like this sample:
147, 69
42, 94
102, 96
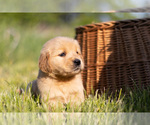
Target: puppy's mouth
70, 72
77, 68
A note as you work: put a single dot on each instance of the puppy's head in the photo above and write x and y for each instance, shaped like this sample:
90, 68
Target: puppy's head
61, 56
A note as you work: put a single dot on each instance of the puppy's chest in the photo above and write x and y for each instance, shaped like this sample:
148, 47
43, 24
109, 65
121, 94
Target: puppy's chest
65, 91
68, 90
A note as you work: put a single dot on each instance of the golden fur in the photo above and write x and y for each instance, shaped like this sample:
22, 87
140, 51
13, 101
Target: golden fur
59, 79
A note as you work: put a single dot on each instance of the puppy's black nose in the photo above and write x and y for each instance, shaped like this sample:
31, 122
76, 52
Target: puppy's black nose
77, 62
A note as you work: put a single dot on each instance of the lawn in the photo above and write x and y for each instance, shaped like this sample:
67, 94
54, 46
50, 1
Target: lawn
19, 52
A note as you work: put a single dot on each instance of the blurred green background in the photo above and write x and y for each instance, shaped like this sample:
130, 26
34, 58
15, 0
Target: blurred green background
69, 6
22, 36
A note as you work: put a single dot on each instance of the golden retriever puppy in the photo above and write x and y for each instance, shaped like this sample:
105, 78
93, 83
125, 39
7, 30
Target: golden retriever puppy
59, 77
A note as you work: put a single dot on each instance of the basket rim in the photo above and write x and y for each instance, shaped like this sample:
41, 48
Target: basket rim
114, 24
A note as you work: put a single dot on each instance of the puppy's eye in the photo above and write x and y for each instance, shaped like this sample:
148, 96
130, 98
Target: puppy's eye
62, 54
77, 52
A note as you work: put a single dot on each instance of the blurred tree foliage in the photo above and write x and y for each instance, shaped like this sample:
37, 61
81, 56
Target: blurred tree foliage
82, 11
73, 19
64, 5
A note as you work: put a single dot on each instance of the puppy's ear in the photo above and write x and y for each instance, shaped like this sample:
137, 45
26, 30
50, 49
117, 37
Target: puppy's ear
44, 63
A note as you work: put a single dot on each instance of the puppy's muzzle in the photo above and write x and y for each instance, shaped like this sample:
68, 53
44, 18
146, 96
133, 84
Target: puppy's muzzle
77, 62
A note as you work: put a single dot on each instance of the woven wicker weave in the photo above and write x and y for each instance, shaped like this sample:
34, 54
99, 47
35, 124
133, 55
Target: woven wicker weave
116, 54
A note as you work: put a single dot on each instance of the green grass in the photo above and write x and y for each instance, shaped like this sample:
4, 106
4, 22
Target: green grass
19, 52
11, 101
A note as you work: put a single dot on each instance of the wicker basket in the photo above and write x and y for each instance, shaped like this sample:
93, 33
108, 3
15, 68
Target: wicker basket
116, 54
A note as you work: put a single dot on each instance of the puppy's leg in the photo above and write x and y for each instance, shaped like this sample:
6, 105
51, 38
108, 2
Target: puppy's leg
32, 86
56, 103
20, 91
76, 99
